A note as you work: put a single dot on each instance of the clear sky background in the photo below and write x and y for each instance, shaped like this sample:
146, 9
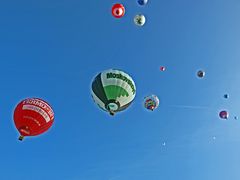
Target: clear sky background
53, 49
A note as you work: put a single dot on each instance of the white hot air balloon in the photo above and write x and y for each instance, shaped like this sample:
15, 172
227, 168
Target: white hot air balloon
139, 19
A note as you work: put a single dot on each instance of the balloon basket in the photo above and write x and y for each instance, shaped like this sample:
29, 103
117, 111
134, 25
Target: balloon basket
111, 113
21, 138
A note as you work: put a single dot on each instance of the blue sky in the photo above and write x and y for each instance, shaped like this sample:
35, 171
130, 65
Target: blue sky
53, 50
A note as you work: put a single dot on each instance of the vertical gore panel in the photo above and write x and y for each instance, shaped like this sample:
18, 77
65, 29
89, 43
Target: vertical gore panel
98, 89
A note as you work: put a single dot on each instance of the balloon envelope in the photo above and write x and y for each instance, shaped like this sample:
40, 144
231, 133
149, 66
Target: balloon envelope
151, 102
162, 68
142, 2
33, 116
226, 96
118, 10
224, 114
113, 90
200, 73
139, 19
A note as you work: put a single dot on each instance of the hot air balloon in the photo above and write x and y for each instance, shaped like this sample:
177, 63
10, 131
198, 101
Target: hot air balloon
226, 96
151, 102
200, 73
139, 19
162, 68
224, 114
118, 10
32, 117
113, 90
142, 2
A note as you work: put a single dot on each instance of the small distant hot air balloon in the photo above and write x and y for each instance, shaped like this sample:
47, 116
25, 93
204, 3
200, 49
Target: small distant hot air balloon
223, 114
142, 2
226, 96
151, 102
139, 19
32, 117
200, 73
113, 90
162, 68
118, 10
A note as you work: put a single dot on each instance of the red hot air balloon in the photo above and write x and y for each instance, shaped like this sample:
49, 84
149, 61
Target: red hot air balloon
224, 114
162, 68
33, 116
118, 10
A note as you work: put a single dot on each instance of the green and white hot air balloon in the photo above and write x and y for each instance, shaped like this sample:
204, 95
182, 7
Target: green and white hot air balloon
113, 90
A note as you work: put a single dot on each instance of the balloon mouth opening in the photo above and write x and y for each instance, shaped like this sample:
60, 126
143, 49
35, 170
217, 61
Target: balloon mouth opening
112, 106
119, 12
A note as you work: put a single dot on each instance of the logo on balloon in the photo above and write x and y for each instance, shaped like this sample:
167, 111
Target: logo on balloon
124, 78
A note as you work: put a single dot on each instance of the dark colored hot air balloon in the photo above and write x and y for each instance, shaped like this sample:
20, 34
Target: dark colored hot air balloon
224, 114
32, 117
118, 10
226, 96
200, 73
